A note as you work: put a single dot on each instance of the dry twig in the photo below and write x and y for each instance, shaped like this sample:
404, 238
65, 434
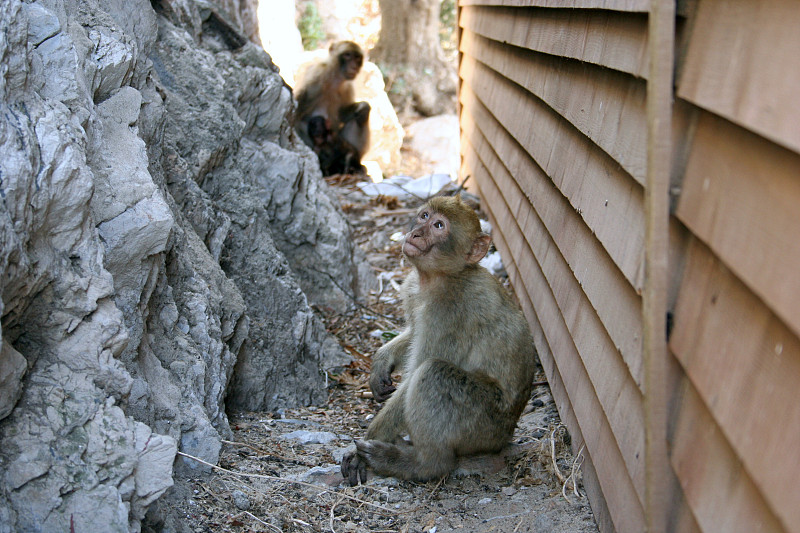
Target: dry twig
257, 519
553, 454
576, 464
276, 478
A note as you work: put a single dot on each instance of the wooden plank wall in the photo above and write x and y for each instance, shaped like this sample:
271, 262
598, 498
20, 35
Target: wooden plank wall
553, 112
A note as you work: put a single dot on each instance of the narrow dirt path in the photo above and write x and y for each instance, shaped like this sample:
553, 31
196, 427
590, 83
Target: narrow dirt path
281, 472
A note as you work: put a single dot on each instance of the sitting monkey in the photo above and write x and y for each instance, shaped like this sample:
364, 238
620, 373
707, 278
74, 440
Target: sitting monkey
325, 92
466, 355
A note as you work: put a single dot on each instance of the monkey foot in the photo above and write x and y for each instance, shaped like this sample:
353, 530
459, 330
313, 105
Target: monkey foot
354, 468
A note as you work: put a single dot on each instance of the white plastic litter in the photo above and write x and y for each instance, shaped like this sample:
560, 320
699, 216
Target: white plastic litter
494, 264
406, 186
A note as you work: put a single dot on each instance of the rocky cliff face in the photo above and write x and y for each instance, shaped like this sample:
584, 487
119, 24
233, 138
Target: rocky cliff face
162, 236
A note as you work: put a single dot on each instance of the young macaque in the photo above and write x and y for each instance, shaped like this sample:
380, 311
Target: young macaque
335, 154
467, 357
325, 89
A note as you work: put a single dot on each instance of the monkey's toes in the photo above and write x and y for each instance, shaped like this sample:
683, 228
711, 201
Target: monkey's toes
369, 449
354, 468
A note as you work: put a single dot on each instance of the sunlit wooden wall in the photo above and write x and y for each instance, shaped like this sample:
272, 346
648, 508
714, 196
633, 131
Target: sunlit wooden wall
553, 112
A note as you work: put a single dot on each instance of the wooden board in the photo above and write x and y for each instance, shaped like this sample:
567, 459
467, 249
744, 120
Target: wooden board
593, 357
611, 296
743, 63
745, 365
617, 487
617, 5
661, 45
741, 196
715, 485
613, 40
591, 483
608, 200
605, 105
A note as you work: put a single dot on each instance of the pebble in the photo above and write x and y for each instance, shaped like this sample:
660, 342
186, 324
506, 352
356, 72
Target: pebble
311, 437
240, 500
484, 501
295, 422
330, 475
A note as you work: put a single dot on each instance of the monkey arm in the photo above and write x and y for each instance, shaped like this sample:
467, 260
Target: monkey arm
358, 111
386, 359
307, 100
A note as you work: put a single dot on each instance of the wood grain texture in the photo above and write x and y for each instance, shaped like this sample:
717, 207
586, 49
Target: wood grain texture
743, 63
719, 490
616, 5
660, 45
745, 364
741, 196
610, 295
623, 503
607, 198
605, 105
613, 40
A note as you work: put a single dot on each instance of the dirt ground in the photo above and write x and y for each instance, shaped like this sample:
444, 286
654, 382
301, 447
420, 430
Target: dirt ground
281, 471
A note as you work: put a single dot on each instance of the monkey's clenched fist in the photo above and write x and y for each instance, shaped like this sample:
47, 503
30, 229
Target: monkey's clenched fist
466, 355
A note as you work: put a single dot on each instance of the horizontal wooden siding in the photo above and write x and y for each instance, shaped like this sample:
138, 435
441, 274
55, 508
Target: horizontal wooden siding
553, 111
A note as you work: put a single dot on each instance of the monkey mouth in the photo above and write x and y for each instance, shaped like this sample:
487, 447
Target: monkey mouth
411, 249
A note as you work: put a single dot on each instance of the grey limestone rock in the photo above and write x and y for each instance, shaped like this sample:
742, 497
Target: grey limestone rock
162, 233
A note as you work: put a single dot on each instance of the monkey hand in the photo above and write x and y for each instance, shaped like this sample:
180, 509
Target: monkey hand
382, 386
354, 468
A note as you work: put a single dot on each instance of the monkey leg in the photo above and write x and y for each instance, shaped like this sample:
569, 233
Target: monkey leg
406, 461
463, 409
448, 412
389, 425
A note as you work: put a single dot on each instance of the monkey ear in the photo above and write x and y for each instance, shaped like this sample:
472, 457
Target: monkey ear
480, 246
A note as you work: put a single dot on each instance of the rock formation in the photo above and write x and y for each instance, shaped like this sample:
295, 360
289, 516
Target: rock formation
163, 236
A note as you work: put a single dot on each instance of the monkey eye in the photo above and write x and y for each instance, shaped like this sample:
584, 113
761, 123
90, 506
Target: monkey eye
424, 215
438, 224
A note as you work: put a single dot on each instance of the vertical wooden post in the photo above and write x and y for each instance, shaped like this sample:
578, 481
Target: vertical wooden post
661, 39
461, 176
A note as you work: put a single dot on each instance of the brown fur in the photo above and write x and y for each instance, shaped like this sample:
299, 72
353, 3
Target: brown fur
466, 355
325, 89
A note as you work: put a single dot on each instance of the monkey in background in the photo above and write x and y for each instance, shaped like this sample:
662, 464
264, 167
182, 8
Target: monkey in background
467, 356
336, 155
325, 89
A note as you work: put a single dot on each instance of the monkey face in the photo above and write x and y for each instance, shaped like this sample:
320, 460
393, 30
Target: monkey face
430, 229
445, 237
350, 63
349, 57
